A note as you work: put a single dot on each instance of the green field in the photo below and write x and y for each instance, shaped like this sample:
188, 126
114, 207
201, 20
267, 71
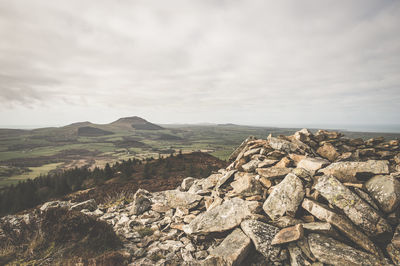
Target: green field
47, 149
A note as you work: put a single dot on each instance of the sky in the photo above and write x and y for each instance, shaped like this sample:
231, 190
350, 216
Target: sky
253, 62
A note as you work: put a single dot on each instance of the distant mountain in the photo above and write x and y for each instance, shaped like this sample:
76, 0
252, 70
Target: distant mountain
136, 123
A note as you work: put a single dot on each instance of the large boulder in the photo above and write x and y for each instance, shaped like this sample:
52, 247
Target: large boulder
348, 171
285, 198
233, 249
357, 210
385, 189
333, 252
262, 234
224, 217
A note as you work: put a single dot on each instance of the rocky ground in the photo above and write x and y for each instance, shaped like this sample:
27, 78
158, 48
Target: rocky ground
306, 199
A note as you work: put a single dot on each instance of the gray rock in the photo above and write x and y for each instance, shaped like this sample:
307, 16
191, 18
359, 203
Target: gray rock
342, 223
262, 234
250, 166
328, 151
210, 181
357, 210
225, 178
288, 234
187, 183
246, 185
282, 145
396, 237
233, 249
266, 163
222, 218
285, 198
141, 202
312, 164
88, 204
297, 257
174, 199
54, 204
333, 252
394, 253
273, 172
239, 149
348, 171
385, 189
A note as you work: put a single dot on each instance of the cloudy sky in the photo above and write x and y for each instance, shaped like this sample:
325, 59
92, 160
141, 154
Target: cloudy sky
188, 61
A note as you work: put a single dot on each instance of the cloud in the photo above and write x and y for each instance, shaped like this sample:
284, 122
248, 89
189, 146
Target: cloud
261, 62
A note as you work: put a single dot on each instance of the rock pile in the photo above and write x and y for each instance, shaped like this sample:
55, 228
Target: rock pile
305, 199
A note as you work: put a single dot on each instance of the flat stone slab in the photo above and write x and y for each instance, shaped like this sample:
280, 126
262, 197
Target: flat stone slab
288, 234
333, 252
312, 164
262, 234
285, 198
273, 172
348, 171
224, 217
233, 249
342, 223
357, 210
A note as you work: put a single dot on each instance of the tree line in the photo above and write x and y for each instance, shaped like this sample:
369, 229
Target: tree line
31, 192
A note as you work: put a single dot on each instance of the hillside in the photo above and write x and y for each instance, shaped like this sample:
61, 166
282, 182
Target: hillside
27, 154
305, 199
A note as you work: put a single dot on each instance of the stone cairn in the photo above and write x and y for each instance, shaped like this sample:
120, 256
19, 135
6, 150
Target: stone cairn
305, 199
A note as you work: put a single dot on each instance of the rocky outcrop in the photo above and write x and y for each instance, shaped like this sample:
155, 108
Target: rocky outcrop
306, 199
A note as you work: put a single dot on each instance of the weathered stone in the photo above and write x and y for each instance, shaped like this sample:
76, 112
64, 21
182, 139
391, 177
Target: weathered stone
187, 183
88, 204
265, 182
251, 152
357, 210
210, 181
328, 151
241, 147
222, 218
282, 145
333, 252
250, 166
394, 253
396, 237
175, 199
233, 249
385, 189
54, 204
342, 223
324, 134
246, 185
288, 234
348, 171
284, 162
262, 234
225, 178
297, 257
312, 164
141, 202
286, 221
273, 172
285, 198
366, 197
266, 163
